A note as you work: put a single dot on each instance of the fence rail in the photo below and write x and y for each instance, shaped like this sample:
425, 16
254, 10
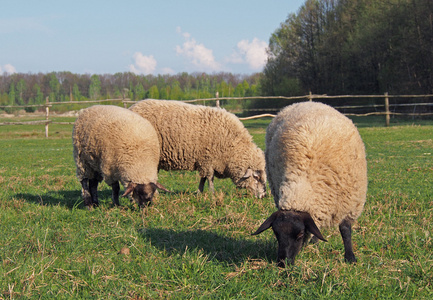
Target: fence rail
385, 106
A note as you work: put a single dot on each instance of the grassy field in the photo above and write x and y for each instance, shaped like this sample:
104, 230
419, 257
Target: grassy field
188, 246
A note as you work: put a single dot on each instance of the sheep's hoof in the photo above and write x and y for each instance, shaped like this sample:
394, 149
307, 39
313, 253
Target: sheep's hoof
350, 258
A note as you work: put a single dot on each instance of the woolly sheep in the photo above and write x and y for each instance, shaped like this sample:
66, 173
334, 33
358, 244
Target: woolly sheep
207, 139
317, 173
115, 144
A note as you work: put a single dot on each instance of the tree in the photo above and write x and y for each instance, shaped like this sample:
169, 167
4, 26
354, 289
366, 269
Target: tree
139, 92
54, 86
284, 58
76, 95
12, 94
39, 96
176, 92
153, 92
4, 99
21, 88
95, 87
164, 92
11, 98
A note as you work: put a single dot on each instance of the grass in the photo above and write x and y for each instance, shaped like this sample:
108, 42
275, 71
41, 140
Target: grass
188, 246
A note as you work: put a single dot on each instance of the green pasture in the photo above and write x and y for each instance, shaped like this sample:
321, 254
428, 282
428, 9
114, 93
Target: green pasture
198, 246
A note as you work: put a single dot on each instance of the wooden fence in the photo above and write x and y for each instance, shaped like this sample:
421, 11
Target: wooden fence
385, 107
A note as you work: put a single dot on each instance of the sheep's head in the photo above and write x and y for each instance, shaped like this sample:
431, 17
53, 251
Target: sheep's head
293, 230
254, 181
143, 193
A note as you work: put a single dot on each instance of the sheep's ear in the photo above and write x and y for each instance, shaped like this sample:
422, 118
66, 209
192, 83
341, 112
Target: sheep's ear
161, 187
266, 224
129, 189
248, 173
257, 175
311, 226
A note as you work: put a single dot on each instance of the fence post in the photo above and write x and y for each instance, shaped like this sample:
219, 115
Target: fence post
217, 99
387, 113
47, 115
310, 96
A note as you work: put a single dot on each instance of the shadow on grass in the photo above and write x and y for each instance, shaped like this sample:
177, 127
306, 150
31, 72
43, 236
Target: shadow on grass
72, 199
214, 245
69, 199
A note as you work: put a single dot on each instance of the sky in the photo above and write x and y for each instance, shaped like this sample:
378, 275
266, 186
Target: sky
144, 37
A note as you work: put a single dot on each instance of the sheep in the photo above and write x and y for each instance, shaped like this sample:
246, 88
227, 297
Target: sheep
114, 144
317, 172
207, 139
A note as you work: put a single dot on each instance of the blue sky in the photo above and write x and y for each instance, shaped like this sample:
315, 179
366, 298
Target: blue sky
144, 37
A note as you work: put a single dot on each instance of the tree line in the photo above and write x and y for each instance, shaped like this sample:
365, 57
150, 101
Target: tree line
29, 89
339, 47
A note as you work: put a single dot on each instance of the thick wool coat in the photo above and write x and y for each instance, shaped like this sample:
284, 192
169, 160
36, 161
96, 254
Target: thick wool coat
115, 144
208, 139
316, 163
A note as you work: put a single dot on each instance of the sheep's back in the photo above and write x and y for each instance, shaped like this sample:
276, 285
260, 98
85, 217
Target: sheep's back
316, 163
189, 134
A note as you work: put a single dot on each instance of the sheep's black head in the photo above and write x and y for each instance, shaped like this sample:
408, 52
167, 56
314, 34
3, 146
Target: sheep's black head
254, 181
292, 229
143, 193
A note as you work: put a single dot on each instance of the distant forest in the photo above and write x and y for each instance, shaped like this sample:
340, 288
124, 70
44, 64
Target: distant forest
332, 47
24, 89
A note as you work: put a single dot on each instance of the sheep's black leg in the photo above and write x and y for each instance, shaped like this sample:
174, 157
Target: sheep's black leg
85, 192
93, 187
346, 234
201, 185
115, 193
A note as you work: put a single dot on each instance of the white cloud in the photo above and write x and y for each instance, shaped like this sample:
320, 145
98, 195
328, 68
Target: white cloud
186, 35
167, 71
143, 64
254, 54
8, 68
197, 54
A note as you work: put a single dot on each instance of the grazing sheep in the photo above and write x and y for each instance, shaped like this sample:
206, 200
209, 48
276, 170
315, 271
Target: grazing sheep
115, 144
207, 139
317, 173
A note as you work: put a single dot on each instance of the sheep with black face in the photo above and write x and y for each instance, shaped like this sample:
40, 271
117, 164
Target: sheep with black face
114, 144
207, 139
317, 172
